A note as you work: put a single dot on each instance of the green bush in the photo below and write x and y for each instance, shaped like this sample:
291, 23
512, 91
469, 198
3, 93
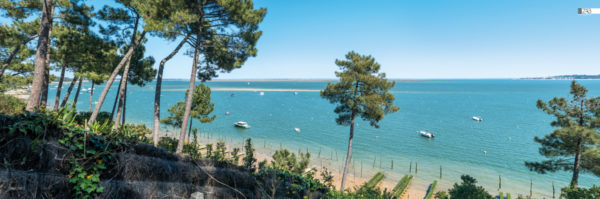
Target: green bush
11, 105
468, 189
581, 193
103, 117
168, 143
441, 195
283, 160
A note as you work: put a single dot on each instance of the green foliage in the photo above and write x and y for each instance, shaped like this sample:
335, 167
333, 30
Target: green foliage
399, 189
283, 160
361, 91
103, 117
431, 190
168, 143
327, 177
581, 193
11, 105
441, 195
468, 189
89, 150
284, 184
249, 159
576, 122
201, 108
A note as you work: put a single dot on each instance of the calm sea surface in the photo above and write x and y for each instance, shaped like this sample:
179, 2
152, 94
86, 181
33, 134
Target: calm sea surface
445, 107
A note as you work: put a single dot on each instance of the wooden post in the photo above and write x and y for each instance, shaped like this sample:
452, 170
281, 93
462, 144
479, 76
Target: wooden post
499, 182
392, 165
336, 158
416, 167
552, 189
374, 159
410, 167
440, 172
380, 162
361, 168
531, 188
319, 152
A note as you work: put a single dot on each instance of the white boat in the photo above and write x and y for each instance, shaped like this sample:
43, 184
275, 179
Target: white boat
262, 93
297, 130
227, 113
479, 119
295, 93
426, 134
241, 125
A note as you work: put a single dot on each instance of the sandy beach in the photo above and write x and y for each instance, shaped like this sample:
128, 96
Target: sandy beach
416, 189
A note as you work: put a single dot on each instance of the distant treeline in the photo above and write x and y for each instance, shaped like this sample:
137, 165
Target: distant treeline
569, 77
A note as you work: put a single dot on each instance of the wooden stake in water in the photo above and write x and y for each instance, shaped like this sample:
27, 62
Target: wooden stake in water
336, 158
361, 168
440, 172
552, 189
531, 188
410, 167
374, 159
392, 164
319, 152
499, 182
416, 167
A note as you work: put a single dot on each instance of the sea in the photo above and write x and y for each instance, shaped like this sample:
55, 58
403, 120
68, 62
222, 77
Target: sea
493, 150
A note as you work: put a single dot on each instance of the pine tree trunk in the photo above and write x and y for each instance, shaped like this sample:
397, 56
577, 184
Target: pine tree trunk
124, 105
66, 97
190, 94
59, 88
91, 97
112, 78
13, 54
40, 55
112, 114
349, 154
44, 98
577, 163
122, 93
158, 90
190, 129
44, 95
77, 93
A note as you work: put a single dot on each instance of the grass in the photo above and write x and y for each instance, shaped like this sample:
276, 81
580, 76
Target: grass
401, 186
374, 180
431, 190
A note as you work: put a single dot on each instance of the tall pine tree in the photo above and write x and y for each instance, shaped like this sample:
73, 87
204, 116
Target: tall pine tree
573, 146
361, 92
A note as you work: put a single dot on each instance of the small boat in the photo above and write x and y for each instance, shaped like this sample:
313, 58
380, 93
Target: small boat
297, 130
295, 93
242, 125
227, 113
426, 134
262, 93
479, 119
232, 95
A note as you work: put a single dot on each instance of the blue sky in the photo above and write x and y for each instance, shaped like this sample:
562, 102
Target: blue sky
419, 39
416, 39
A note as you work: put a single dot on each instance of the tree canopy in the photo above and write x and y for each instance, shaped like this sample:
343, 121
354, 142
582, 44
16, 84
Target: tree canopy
573, 144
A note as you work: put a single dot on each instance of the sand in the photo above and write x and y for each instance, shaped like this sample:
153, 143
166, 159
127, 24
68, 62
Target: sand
416, 189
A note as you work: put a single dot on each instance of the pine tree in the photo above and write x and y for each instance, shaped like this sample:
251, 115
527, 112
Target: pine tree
201, 108
361, 92
225, 33
573, 146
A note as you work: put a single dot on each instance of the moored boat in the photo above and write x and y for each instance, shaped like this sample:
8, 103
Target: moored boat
426, 134
241, 124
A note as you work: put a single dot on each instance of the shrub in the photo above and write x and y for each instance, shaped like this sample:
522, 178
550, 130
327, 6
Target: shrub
283, 160
468, 189
441, 195
11, 105
581, 193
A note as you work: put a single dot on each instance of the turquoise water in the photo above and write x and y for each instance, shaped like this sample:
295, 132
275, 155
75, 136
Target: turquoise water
445, 107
